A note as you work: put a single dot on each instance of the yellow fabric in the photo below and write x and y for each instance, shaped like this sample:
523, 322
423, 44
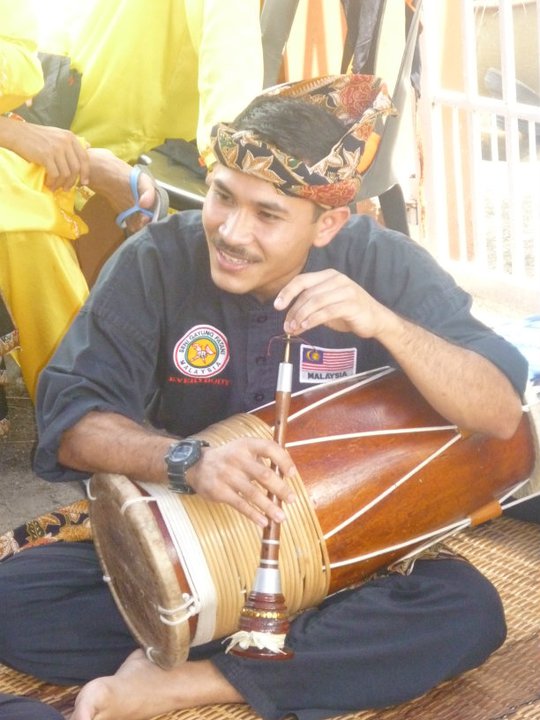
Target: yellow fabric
151, 71
370, 150
20, 70
44, 289
40, 276
27, 204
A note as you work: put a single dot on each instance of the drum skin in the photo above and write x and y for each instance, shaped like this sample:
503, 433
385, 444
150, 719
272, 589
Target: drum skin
367, 494
140, 567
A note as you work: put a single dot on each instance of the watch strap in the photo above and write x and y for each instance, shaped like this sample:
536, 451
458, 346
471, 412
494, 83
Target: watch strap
176, 470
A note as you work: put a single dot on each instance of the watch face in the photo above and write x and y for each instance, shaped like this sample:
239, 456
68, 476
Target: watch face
181, 452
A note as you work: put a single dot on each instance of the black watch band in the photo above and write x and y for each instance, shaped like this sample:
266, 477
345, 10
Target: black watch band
181, 456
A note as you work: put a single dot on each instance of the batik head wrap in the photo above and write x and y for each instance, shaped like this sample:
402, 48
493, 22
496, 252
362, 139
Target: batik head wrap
355, 100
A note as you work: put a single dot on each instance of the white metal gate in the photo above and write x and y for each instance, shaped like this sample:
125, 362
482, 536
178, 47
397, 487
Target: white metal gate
481, 132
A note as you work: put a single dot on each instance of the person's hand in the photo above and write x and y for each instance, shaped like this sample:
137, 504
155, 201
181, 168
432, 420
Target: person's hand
109, 176
59, 151
236, 473
330, 298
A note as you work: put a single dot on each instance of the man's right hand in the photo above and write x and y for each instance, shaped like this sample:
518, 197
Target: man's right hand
236, 473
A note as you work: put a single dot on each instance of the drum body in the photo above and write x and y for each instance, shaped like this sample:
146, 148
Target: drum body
381, 474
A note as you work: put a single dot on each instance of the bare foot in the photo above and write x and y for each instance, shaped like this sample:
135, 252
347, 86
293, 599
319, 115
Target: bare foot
140, 690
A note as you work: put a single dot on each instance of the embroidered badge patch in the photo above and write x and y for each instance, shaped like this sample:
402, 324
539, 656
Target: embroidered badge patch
202, 352
322, 364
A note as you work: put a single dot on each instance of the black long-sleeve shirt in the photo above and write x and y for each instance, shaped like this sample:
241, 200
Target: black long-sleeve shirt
157, 340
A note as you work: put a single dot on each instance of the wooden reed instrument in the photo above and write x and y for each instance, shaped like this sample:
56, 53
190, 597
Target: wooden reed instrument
264, 620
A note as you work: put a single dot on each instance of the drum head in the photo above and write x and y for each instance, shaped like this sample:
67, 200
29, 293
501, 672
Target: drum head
145, 579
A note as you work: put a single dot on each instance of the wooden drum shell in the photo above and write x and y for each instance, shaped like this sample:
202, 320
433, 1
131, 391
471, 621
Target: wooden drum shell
400, 478
343, 475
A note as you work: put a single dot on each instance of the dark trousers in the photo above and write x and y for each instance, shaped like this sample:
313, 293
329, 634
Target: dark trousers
385, 643
17, 708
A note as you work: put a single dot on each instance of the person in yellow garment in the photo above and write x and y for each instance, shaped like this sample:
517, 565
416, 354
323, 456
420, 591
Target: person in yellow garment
37, 224
40, 277
147, 76
153, 72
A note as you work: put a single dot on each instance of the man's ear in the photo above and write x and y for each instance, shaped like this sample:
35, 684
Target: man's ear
329, 224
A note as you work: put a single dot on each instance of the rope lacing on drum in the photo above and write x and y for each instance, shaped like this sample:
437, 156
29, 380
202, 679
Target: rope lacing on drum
127, 503
191, 606
373, 375
392, 488
87, 489
434, 536
132, 501
188, 550
369, 433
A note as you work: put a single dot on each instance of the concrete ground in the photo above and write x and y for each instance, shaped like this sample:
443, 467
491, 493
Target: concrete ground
22, 494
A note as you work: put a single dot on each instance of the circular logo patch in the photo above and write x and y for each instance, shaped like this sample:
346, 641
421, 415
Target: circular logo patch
202, 352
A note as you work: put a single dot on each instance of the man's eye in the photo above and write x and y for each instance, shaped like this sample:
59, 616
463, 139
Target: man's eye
221, 195
268, 216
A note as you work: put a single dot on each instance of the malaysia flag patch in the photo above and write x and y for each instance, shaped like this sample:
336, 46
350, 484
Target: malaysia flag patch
322, 364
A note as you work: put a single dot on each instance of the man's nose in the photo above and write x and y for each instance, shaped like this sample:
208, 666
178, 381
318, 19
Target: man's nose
237, 228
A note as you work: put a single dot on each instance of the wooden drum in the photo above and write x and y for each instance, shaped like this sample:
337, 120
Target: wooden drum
381, 475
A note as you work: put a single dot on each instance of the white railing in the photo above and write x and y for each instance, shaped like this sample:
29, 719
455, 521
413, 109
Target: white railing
482, 169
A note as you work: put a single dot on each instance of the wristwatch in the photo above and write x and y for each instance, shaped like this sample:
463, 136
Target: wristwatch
181, 456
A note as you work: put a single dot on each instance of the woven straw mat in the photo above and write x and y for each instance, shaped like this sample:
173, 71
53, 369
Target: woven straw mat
507, 686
